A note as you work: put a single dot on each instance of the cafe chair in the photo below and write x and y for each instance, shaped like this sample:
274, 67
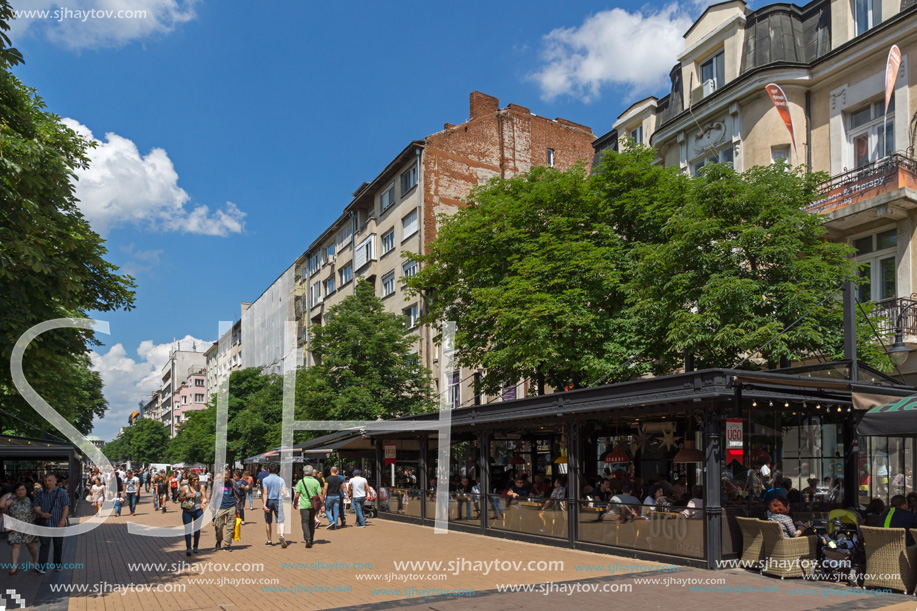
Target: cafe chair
890, 564
784, 556
752, 543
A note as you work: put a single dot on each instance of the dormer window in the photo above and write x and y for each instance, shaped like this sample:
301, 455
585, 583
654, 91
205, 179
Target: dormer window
867, 14
636, 135
713, 73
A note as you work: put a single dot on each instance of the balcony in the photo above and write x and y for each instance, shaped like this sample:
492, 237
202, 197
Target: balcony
888, 311
869, 188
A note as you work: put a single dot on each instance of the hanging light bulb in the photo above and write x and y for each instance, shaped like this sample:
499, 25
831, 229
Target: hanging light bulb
754, 403
818, 406
771, 403
849, 409
786, 404
838, 409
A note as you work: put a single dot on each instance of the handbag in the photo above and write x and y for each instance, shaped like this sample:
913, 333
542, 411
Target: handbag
188, 504
314, 501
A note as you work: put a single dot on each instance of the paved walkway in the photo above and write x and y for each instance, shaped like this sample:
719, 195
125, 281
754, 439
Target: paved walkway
356, 569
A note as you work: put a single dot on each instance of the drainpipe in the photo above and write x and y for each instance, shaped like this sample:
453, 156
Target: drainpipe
308, 310
353, 239
809, 129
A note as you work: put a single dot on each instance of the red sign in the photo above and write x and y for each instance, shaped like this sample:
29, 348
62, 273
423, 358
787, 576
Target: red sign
891, 73
734, 434
869, 185
779, 100
389, 454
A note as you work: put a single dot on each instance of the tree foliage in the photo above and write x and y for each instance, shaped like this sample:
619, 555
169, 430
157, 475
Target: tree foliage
143, 442
573, 280
365, 366
52, 264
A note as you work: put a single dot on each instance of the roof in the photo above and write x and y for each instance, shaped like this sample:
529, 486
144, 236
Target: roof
704, 14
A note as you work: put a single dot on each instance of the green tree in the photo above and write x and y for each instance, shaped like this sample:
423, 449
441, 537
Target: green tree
144, 442
365, 367
52, 264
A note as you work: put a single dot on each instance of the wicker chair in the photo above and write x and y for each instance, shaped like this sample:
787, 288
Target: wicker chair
889, 562
752, 543
785, 557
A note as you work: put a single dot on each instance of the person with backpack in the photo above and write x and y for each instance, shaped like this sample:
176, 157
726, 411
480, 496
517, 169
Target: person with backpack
309, 499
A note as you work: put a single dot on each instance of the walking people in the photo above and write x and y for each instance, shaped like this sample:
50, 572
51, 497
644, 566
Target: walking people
52, 507
224, 522
162, 489
97, 492
247, 476
308, 499
358, 496
146, 479
173, 485
332, 494
271, 498
131, 490
192, 500
18, 505
242, 489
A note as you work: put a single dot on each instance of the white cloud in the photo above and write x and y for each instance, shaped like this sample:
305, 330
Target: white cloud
632, 50
127, 380
123, 187
91, 24
139, 260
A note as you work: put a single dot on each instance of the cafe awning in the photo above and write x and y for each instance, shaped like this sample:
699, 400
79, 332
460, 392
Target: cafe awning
896, 418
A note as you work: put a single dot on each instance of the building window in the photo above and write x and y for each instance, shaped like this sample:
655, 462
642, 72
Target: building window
184, 400
455, 390
713, 73
870, 134
365, 252
877, 256
410, 316
388, 197
329, 253
636, 135
198, 398
315, 294
780, 152
550, 158
329, 285
478, 396
315, 263
408, 269
408, 180
346, 274
344, 236
409, 225
722, 156
198, 382
867, 13
388, 241
388, 284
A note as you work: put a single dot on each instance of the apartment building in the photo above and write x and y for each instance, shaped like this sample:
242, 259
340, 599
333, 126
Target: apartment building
179, 379
395, 213
224, 356
829, 57
190, 394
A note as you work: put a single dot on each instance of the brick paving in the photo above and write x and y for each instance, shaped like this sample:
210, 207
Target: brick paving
106, 551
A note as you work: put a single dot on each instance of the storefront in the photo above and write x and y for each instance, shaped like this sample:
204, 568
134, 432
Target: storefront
711, 442
24, 459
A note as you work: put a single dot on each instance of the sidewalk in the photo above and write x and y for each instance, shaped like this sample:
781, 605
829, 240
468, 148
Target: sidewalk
290, 579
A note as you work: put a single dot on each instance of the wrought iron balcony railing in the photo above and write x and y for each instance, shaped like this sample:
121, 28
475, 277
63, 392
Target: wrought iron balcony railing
888, 310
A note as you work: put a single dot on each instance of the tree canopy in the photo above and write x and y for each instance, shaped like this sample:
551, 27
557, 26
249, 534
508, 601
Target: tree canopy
573, 280
143, 442
52, 264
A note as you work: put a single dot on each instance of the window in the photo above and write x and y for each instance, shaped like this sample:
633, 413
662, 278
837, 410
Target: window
478, 396
877, 256
388, 197
870, 134
329, 285
346, 274
315, 294
365, 252
550, 158
198, 397
408, 269
315, 263
408, 180
780, 152
455, 390
388, 241
867, 14
410, 316
344, 236
388, 284
713, 73
184, 400
198, 382
637, 135
329, 253
722, 156
409, 225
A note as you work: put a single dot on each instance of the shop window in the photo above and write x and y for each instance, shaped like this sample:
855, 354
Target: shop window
870, 133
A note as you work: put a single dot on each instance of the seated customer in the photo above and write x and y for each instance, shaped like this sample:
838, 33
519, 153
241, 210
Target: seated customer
603, 493
624, 506
517, 489
774, 492
655, 500
695, 504
539, 487
898, 516
558, 495
778, 512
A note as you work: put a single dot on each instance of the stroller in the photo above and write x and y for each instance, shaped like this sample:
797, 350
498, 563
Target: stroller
841, 555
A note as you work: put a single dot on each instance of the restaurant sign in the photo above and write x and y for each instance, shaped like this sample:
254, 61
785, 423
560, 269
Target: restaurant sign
870, 185
389, 454
734, 434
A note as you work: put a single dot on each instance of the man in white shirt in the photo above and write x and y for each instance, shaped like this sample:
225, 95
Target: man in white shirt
357, 488
766, 472
622, 506
131, 490
695, 510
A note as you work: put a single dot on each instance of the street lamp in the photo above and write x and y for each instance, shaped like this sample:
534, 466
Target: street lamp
899, 350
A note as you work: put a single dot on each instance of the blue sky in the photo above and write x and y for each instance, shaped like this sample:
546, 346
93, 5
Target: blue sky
271, 114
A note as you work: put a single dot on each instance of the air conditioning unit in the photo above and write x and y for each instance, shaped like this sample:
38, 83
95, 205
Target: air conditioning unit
709, 87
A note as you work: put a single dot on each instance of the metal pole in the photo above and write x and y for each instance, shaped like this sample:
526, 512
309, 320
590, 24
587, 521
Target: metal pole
713, 510
423, 443
850, 329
